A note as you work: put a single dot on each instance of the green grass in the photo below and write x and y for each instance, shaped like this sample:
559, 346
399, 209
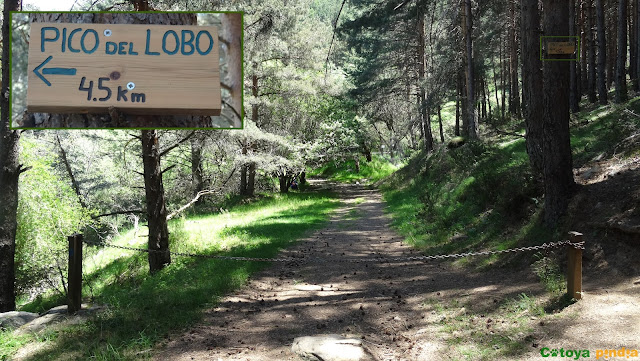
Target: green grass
10, 343
601, 129
484, 195
345, 171
142, 309
475, 197
479, 332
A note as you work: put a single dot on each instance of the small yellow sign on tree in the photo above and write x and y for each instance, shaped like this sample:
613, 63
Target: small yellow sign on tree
138, 69
561, 47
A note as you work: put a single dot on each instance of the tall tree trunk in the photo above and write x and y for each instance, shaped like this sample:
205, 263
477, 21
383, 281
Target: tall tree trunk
440, 124
514, 92
584, 29
422, 102
243, 169
255, 107
602, 53
251, 179
591, 53
502, 80
611, 48
495, 84
532, 82
232, 35
285, 183
483, 84
621, 77
458, 92
556, 147
487, 93
158, 241
9, 173
197, 173
574, 97
472, 130
72, 178
633, 50
637, 43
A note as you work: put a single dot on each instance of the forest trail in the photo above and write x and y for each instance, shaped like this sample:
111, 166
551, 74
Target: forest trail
399, 310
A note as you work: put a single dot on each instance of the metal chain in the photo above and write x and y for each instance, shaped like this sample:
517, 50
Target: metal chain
577, 245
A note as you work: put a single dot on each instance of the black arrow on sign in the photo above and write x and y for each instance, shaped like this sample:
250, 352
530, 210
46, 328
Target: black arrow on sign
53, 71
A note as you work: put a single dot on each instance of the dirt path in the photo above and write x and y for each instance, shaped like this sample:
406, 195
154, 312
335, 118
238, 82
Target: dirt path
399, 310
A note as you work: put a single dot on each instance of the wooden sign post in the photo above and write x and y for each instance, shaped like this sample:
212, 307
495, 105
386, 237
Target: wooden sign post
138, 69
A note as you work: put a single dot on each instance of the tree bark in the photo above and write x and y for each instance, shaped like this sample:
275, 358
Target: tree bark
637, 43
422, 101
197, 173
285, 182
556, 147
232, 35
243, 170
514, 92
574, 96
484, 98
250, 168
602, 53
621, 77
440, 124
502, 81
591, 53
9, 174
487, 93
67, 166
633, 50
458, 92
611, 48
532, 86
495, 85
472, 122
583, 50
158, 242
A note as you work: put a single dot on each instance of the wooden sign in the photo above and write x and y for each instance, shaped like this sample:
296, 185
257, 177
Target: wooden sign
561, 47
138, 69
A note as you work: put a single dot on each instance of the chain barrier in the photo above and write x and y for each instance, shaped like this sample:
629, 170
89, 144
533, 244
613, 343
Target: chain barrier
544, 246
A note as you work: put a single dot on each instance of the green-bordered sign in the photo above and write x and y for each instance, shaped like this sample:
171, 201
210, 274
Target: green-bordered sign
138, 69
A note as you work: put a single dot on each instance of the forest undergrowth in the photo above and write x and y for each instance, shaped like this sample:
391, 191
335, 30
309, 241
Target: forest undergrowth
142, 309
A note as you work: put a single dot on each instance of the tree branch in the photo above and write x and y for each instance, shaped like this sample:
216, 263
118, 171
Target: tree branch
138, 211
191, 202
232, 109
168, 168
333, 36
164, 152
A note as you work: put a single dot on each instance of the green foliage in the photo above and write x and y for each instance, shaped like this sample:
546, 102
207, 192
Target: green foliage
469, 198
482, 332
48, 212
144, 309
605, 131
345, 171
548, 271
10, 343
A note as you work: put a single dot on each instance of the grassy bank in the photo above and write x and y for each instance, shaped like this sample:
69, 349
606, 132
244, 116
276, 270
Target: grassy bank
142, 309
345, 171
484, 196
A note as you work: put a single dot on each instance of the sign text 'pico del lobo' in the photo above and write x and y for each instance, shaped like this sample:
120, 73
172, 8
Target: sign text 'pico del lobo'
138, 69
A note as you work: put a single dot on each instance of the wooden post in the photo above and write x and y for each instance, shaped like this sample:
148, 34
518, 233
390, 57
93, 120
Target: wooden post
574, 267
75, 274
